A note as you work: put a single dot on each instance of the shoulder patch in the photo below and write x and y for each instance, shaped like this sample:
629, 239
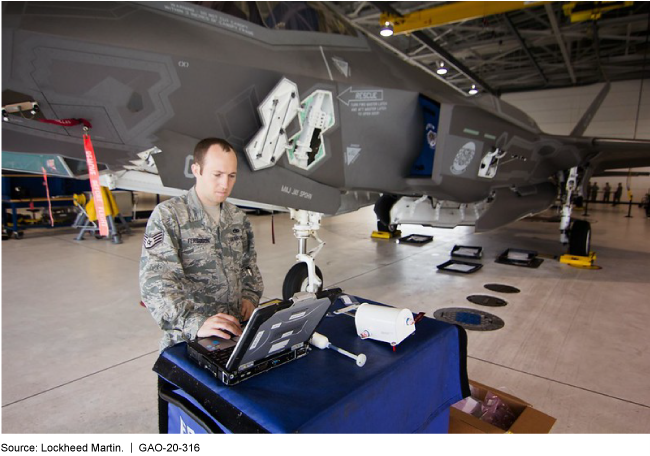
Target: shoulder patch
152, 240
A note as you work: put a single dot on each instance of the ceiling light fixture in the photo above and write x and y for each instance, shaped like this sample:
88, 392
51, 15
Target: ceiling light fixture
387, 29
441, 68
473, 90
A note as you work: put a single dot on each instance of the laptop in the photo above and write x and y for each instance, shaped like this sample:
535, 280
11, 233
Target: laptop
277, 332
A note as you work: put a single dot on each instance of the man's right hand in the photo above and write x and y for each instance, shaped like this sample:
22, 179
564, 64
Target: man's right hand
218, 324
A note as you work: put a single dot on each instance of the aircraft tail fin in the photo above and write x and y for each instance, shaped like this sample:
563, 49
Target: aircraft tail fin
589, 114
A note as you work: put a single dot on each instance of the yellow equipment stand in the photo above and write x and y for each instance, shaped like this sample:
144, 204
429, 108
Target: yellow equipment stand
87, 217
585, 262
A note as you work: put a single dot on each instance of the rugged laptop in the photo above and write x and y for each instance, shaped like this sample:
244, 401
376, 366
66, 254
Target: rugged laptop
277, 332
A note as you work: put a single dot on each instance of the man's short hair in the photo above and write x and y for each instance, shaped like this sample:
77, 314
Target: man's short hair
202, 148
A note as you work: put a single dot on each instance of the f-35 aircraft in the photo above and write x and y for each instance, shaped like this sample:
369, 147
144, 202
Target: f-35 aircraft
325, 120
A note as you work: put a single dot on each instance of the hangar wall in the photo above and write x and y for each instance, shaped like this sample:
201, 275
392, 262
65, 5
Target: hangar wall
558, 110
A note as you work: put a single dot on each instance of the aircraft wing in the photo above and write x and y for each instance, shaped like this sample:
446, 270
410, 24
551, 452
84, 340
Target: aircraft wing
620, 153
602, 154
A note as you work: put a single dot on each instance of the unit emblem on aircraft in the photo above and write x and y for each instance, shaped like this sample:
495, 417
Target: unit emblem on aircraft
432, 136
463, 158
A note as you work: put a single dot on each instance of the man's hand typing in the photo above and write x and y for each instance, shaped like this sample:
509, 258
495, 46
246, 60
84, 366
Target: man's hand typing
218, 324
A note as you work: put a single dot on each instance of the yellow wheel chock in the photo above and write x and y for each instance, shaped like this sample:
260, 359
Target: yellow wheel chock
585, 262
385, 234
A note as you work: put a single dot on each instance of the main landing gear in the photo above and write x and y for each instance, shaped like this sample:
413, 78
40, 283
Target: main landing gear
578, 233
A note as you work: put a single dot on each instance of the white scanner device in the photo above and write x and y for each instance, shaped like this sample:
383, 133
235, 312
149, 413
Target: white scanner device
385, 324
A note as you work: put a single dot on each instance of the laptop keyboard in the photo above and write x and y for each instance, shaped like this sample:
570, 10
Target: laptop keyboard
221, 356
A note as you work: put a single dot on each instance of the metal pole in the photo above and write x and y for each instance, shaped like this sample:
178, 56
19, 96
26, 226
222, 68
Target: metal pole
629, 209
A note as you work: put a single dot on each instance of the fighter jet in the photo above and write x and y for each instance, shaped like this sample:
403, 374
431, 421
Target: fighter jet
325, 120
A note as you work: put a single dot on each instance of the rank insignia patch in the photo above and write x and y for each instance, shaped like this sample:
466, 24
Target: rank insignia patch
150, 241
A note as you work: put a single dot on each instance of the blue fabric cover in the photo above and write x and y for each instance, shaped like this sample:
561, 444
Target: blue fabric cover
403, 391
179, 422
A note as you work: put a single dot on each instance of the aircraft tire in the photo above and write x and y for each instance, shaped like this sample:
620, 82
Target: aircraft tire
386, 228
580, 238
382, 210
296, 280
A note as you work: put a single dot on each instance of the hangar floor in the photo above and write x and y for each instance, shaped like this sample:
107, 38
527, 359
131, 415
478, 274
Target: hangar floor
77, 349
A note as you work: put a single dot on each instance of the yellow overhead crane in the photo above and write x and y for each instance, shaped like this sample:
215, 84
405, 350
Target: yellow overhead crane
591, 11
449, 13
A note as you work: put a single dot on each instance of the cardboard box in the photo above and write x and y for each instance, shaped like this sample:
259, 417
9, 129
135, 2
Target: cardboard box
529, 420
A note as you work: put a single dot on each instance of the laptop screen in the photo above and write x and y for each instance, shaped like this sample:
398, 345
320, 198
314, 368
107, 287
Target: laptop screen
272, 330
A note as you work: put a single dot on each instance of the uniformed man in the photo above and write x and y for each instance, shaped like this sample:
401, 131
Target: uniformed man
606, 191
594, 192
618, 193
198, 270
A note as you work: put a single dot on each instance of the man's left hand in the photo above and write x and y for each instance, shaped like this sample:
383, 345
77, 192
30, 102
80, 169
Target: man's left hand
247, 308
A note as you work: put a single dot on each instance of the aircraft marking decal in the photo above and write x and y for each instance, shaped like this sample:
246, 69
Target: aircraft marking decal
359, 96
296, 192
463, 158
342, 66
209, 17
352, 153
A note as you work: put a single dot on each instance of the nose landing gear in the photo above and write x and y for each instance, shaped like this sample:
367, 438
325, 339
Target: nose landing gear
305, 275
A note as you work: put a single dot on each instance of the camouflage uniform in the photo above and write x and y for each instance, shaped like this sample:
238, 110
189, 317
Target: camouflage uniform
191, 268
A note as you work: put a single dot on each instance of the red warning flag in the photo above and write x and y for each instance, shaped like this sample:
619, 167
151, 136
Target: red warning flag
49, 200
67, 122
93, 173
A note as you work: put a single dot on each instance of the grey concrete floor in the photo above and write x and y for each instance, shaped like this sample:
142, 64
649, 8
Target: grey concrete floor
77, 349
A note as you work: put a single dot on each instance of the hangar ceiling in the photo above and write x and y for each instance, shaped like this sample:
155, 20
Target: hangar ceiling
533, 48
